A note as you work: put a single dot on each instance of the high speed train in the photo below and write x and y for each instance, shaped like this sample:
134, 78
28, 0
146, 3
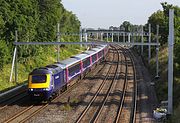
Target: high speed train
46, 82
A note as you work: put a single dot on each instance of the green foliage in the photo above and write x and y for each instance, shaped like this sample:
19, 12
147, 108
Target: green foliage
4, 53
162, 18
35, 20
158, 18
126, 26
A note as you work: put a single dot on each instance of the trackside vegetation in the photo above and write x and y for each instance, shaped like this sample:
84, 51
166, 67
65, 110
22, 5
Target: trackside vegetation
162, 19
34, 20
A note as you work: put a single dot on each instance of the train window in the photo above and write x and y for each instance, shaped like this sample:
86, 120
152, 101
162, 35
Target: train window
94, 58
99, 54
52, 66
86, 62
74, 69
39, 78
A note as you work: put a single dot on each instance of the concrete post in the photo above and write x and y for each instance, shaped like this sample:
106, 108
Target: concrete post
13, 62
118, 36
124, 37
129, 37
149, 47
142, 40
112, 35
132, 38
58, 40
16, 64
86, 38
101, 36
80, 35
170, 61
12, 67
107, 36
157, 52
97, 35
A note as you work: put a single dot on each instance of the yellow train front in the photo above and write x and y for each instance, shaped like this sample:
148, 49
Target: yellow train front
44, 83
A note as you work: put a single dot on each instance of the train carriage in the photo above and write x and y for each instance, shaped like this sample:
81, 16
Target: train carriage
85, 61
99, 52
73, 68
93, 56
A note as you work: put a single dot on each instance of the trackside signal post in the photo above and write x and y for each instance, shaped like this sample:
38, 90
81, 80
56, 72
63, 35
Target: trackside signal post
170, 61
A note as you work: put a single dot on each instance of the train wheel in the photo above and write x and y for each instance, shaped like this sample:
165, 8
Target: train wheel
50, 98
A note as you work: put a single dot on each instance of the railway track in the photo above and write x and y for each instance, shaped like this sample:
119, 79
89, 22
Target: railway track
134, 103
13, 99
129, 85
127, 112
32, 110
82, 117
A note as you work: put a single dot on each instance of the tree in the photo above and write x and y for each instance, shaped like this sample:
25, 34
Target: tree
158, 18
127, 26
35, 20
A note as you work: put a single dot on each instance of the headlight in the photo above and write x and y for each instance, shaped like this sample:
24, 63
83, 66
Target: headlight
31, 89
46, 89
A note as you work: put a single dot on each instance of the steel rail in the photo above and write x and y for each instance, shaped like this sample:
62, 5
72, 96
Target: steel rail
95, 96
134, 103
98, 113
134, 96
119, 111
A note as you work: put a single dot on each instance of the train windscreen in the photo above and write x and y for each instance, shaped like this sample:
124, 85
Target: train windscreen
39, 78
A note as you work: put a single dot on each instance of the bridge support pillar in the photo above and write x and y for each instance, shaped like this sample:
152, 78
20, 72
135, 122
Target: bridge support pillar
118, 36
133, 38
86, 38
124, 37
97, 35
107, 36
101, 36
129, 37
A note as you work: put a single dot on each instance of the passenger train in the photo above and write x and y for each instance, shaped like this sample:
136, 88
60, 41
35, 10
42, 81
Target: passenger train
45, 82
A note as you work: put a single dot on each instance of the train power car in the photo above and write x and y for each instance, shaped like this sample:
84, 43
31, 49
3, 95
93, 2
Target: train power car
46, 82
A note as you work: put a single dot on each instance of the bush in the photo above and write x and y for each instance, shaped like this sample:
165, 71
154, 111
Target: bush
4, 54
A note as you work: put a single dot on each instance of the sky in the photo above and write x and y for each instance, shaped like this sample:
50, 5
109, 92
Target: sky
106, 13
